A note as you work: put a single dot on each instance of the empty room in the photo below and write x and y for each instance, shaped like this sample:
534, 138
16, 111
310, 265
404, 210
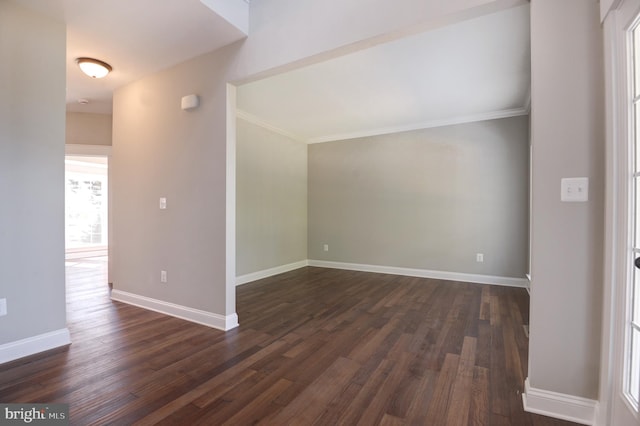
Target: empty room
358, 212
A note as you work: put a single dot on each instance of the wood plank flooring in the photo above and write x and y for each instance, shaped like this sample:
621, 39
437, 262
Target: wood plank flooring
315, 347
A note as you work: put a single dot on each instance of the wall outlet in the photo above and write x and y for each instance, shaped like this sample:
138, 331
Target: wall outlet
3, 307
326, 247
163, 203
479, 257
574, 189
163, 276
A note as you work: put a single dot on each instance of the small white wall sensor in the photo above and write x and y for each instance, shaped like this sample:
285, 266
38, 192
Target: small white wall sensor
190, 102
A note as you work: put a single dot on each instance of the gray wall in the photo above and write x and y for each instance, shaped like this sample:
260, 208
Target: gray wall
88, 129
567, 238
158, 151
271, 207
32, 117
428, 199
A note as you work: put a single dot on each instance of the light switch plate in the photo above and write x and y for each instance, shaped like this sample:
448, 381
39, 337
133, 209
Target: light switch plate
163, 203
574, 189
3, 307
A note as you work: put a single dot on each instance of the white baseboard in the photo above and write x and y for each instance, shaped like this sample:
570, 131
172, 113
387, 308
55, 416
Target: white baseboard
424, 273
266, 273
33, 345
209, 319
558, 405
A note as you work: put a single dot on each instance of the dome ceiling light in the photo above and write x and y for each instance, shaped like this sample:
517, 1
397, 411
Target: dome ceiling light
93, 67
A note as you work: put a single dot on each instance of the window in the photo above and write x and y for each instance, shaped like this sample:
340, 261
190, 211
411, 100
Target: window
86, 202
632, 363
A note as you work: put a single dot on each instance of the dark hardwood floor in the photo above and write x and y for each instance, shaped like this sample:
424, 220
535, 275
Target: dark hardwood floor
315, 346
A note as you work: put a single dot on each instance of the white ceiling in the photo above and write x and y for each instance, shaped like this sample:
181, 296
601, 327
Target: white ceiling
463, 72
476, 69
136, 37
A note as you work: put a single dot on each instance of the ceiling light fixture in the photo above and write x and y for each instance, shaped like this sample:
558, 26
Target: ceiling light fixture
93, 67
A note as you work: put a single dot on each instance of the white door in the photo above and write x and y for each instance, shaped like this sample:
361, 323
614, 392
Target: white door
624, 318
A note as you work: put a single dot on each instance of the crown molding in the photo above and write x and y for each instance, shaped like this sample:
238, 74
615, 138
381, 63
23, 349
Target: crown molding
494, 115
253, 119
527, 103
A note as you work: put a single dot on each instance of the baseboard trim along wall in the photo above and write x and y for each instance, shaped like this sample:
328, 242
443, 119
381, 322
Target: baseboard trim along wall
33, 345
424, 273
183, 312
558, 405
266, 273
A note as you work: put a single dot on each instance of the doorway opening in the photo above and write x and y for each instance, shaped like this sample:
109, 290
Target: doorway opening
86, 230
86, 206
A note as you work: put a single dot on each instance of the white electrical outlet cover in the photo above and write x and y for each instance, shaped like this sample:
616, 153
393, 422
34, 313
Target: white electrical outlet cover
574, 189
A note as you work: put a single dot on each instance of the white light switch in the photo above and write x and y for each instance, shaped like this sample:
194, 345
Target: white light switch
574, 189
3, 307
163, 203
